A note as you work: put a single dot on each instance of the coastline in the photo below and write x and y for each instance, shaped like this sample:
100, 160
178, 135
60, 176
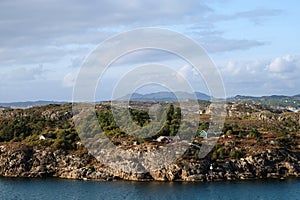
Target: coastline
21, 161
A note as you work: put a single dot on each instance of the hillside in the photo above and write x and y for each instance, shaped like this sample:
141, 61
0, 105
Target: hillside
275, 101
257, 142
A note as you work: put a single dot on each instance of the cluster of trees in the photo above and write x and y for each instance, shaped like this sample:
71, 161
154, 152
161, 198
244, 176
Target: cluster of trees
168, 120
28, 125
17, 129
241, 132
172, 122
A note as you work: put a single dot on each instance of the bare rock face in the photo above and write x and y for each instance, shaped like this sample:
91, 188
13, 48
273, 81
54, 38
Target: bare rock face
17, 160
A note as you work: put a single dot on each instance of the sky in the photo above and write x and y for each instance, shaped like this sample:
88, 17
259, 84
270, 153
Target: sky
43, 44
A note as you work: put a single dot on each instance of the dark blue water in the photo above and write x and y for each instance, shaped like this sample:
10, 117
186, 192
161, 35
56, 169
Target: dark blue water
71, 189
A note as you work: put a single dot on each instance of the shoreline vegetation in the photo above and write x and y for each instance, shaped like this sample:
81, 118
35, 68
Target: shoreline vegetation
257, 142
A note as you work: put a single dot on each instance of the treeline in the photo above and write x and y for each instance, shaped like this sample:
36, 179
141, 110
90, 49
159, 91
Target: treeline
56, 124
168, 119
53, 121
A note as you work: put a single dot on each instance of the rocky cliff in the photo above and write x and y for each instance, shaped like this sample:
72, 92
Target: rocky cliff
19, 160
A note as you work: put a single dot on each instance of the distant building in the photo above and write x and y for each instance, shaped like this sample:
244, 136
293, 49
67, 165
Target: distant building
202, 134
45, 136
163, 139
42, 137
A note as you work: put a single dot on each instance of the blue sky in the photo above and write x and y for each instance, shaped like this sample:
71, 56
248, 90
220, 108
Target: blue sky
254, 44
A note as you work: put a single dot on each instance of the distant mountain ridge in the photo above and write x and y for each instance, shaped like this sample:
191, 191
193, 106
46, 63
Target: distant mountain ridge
269, 97
165, 96
297, 96
272, 100
28, 104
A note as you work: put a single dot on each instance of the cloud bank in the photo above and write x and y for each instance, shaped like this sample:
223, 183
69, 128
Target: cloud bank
43, 43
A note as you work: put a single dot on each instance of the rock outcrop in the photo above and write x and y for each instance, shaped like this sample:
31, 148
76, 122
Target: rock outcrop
18, 160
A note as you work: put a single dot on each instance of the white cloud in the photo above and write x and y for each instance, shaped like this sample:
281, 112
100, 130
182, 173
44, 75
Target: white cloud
22, 74
284, 64
190, 75
260, 77
69, 79
45, 22
59, 22
232, 68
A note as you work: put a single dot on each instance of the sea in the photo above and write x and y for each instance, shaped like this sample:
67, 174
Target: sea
16, 188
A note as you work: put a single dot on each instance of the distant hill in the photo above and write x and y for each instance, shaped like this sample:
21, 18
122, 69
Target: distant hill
166, 96
28, 104
297, 96
158, 96
272, 100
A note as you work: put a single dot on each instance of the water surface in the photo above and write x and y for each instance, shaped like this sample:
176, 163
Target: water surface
11, 188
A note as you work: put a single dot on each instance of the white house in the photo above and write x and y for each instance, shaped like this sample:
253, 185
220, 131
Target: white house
42, 137
163, 139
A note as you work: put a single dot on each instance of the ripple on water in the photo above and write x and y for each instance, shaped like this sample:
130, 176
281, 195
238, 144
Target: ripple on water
56, 189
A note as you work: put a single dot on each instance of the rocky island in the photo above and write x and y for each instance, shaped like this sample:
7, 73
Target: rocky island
257, 141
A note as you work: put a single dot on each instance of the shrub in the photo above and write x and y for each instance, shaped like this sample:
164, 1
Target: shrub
236, 154
254, 134
229, 132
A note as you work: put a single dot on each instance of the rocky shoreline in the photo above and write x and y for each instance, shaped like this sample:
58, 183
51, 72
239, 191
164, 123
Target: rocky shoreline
19, 160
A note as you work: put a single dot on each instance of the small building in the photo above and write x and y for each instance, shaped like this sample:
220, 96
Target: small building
202, 134
163, 139
42, 137
205, 134
45, 136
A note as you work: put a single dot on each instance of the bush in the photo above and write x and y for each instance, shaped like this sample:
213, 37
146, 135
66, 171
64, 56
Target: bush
91, 167
254, 134
226, 128
218, 153
236, 154
229, 132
